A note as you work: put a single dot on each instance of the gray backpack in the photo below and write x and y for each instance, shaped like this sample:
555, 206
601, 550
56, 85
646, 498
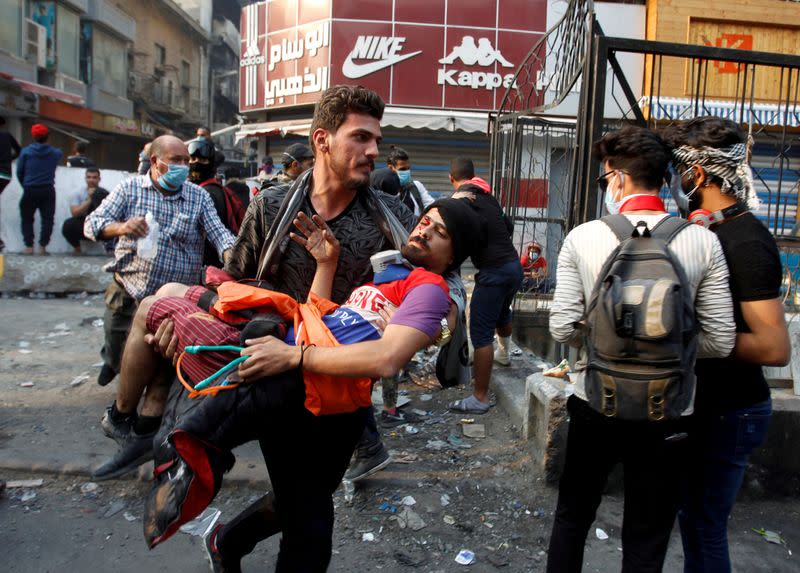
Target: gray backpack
641, 338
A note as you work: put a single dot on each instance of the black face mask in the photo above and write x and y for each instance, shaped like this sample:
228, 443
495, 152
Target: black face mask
199, 172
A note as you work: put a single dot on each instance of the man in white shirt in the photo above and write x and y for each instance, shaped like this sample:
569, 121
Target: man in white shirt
653, 453
81, 203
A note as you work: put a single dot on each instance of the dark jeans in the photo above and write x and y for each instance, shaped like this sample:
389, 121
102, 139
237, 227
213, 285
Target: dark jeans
43, 198
72, 229
653, 456
117, 321
306, 457
722, 447
490, 306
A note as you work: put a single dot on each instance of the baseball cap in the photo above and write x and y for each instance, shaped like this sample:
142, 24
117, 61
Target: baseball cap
39, 130
296, 152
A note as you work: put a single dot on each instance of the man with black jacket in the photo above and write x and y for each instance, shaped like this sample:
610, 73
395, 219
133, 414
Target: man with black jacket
496, 283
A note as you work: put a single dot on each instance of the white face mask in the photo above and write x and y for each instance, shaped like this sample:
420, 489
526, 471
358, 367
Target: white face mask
613, 206
676, 189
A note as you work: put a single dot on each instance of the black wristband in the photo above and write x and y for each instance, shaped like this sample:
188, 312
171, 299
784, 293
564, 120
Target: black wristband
303, 348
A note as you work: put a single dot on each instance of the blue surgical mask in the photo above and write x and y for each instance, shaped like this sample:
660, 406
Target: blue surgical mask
676, 189
404, 175
174, 177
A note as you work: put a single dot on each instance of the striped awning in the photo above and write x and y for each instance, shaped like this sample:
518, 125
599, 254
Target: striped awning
765, 114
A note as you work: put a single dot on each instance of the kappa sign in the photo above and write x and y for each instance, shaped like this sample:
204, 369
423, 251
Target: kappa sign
482, 54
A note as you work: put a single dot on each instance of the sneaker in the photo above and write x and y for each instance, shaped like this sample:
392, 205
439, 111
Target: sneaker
117, 431
501, 357
213, 555
389, 420
364, 467
107, 374
135, 451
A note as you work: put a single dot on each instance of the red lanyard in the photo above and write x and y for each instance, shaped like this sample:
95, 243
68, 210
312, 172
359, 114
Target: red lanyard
643, 203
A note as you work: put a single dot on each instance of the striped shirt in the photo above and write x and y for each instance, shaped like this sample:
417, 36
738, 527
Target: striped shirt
185, 219
586, 249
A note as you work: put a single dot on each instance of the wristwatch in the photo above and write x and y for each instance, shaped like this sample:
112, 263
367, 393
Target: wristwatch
444, 335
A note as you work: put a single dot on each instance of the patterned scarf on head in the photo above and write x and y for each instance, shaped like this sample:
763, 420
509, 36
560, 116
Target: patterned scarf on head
728, 163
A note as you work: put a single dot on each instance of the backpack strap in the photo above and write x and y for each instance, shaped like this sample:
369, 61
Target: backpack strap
668, 228
620, 225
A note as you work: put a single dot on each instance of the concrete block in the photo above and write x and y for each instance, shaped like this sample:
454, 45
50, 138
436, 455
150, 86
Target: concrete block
546, 422
53, 274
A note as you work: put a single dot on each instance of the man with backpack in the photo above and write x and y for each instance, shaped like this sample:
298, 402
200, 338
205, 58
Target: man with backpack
642, 293
203, 163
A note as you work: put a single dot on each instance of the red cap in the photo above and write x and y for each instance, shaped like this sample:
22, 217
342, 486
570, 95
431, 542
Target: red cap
39, 130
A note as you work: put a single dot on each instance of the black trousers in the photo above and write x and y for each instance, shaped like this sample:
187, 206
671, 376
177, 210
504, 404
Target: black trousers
655, 464
43, 198
306, 457
72, 229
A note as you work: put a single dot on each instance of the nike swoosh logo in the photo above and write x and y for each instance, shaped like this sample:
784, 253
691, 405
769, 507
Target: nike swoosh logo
355, 71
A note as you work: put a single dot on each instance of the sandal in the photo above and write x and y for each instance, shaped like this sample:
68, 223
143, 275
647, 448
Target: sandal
469, 405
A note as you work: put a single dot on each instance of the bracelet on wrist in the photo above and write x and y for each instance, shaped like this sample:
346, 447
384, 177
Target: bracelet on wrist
303, 348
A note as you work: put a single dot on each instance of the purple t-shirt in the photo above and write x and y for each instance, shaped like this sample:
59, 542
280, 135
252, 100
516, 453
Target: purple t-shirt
423, 308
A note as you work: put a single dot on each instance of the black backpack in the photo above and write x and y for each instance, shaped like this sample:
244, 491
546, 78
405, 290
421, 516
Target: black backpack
641, 341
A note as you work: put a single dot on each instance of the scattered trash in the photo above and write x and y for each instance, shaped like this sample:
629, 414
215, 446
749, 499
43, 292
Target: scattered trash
98, 323
559, 371
410, 519
770, 536
115, 508
61, 326
27, 496
368, 537
203, 523
24, 344
89, 487
601, 535
467, 420
445, 500
25, 483
408, 500
411, 429
542, 365
436, 445
386, 506
418, 412
130, 517
474, 430
79, 379
456, 441
26, 384
465, 557
426, 397
24, 351
349, 490
449, 520
516, 352
404, 457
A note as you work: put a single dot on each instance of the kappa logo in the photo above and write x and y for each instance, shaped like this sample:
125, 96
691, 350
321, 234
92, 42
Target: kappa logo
482, 54
382, 50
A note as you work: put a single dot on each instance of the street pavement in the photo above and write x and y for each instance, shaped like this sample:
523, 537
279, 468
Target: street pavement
496, 503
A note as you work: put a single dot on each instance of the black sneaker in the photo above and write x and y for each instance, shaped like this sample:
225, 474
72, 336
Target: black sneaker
213, 555
117, 431
135, 451
107, 374
365, 466
389, 420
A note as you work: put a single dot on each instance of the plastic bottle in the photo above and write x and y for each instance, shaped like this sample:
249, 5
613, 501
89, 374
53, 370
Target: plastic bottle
147, 246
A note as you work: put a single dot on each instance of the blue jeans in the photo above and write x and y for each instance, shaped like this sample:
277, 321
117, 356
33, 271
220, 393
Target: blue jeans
723, 446
490, 306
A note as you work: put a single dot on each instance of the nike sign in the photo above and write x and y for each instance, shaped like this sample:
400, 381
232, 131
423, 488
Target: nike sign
382, 50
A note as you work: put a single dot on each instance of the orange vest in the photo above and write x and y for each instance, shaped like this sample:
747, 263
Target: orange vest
324, 394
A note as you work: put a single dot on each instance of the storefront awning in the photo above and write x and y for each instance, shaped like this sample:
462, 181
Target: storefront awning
47, 91
669, 108
417, 118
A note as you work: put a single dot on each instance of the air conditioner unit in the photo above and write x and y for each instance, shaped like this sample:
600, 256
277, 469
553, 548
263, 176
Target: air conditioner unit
35, 43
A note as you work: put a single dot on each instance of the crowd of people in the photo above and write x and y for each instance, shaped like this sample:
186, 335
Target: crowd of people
256, 312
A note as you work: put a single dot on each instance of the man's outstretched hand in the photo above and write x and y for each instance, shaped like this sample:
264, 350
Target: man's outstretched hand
164, 341
267, 356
